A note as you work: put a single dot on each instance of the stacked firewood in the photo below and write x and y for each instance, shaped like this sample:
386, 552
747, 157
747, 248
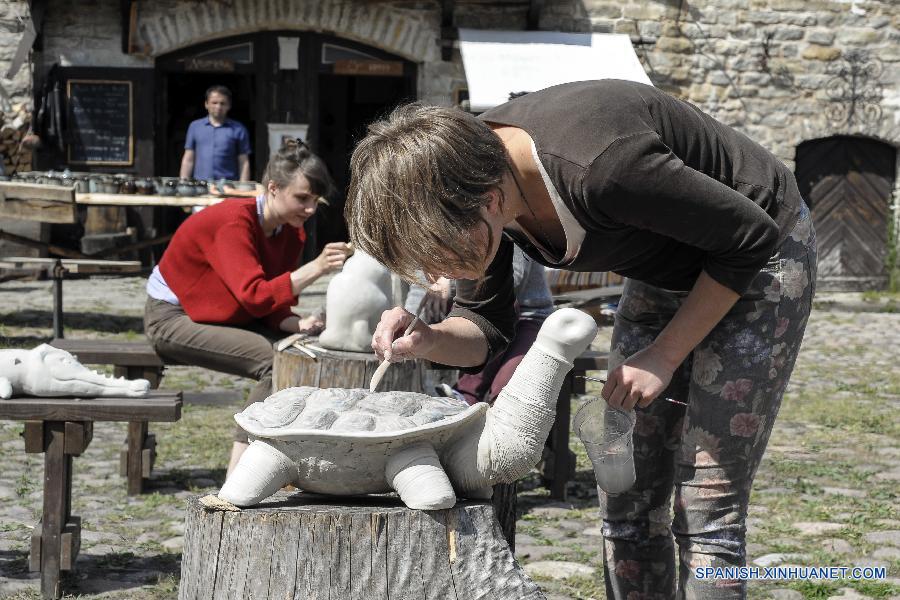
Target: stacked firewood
13, 131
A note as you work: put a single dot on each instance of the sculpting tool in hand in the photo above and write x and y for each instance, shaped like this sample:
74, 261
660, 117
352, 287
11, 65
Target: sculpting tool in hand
597, 379
382, 368
288, 341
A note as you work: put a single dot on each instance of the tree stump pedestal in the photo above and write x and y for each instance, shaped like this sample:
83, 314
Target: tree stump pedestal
323, 368
299, 545
319, 367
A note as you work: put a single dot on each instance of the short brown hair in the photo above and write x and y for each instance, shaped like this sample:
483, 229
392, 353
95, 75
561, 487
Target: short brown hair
218, 89
418, 181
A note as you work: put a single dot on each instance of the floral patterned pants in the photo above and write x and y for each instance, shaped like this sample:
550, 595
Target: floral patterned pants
706, 453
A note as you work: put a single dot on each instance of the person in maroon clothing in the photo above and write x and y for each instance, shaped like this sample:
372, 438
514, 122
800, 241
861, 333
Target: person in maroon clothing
227, 282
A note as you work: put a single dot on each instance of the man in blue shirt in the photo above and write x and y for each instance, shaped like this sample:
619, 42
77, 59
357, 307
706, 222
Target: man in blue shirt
216, 146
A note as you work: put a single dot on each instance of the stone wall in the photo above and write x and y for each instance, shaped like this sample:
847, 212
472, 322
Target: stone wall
766, 67
16, 93
90, 36
15, 118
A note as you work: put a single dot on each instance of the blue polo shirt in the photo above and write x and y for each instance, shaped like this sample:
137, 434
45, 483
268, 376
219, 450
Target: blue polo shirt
216, 148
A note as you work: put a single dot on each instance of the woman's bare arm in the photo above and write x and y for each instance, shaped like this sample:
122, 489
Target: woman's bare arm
454, 341
641, 378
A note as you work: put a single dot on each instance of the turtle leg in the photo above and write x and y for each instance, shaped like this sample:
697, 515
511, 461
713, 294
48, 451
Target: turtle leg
417, 475
262, 471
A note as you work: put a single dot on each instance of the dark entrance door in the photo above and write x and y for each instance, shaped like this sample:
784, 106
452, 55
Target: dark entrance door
185, 94
335, 87
347, 103
847, 182
182, 81
346, 106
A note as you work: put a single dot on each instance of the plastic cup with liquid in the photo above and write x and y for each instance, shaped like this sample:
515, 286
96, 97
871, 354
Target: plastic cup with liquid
606, 434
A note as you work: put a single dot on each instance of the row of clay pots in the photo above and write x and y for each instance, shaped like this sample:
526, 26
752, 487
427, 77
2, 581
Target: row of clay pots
116, 184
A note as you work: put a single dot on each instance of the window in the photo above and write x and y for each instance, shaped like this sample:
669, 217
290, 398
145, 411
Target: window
332, 53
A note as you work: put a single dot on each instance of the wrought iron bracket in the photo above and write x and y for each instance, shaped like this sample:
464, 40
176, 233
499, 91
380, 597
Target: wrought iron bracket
855, 90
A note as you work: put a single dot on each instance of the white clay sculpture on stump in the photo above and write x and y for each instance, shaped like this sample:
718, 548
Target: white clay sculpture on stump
355, 299
50, 372
429, 450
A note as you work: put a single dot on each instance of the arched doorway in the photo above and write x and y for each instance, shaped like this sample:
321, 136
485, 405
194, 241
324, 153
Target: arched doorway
331, 86
847, 182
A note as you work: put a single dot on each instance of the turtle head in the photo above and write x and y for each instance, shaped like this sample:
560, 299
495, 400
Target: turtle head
518, 423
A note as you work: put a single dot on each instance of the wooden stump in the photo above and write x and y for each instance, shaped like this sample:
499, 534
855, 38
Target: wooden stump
340, 369
304, 546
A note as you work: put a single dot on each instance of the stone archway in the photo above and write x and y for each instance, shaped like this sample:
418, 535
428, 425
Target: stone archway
398, 32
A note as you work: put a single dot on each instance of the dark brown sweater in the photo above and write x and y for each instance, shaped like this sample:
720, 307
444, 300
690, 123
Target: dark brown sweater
662, 190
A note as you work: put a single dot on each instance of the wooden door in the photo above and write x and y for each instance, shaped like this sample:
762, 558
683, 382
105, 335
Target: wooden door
847, 182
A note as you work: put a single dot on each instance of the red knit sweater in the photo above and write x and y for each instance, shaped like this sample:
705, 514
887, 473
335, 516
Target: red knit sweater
224, 269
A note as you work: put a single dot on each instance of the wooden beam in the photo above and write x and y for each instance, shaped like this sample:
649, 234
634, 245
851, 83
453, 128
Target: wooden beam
93, 199
111, 352
38, 10
78, 436
157, 406
72, 265
534, 14
125, 8
131, 247
35, 202
24, 241
34, 437
448, 29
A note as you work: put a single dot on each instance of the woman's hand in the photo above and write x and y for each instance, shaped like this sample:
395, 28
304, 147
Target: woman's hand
390, 344
332, 257
311, 325
637, 381
437, 300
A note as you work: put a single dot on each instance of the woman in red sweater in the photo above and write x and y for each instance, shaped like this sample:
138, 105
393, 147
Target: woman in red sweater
229, 278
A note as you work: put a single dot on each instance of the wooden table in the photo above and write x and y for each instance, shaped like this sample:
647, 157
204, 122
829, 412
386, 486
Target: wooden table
62, 428
131, 360
59, 204
96, 199
57, 268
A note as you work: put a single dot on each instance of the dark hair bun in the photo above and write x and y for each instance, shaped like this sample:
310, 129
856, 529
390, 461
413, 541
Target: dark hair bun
293, 156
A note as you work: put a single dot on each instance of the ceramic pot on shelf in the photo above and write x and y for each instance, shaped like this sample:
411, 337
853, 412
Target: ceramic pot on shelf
127, 186
108, 185
144, 187
201, 188
169, 186
185, 187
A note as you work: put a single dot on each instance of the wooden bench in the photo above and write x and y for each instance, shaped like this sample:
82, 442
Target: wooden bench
62, 428
559, 460
132, 360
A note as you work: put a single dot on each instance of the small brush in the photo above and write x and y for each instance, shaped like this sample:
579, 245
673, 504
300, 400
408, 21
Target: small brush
598, 380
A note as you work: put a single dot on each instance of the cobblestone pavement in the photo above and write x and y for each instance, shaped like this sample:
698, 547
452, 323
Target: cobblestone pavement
827, 492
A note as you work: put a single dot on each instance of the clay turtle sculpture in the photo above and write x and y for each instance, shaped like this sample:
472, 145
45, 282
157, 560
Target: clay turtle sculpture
428, 450
48, 371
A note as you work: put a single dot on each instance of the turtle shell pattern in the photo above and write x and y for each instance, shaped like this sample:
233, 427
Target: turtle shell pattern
339, 410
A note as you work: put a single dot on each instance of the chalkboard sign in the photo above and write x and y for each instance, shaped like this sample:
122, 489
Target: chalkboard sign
100, 122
